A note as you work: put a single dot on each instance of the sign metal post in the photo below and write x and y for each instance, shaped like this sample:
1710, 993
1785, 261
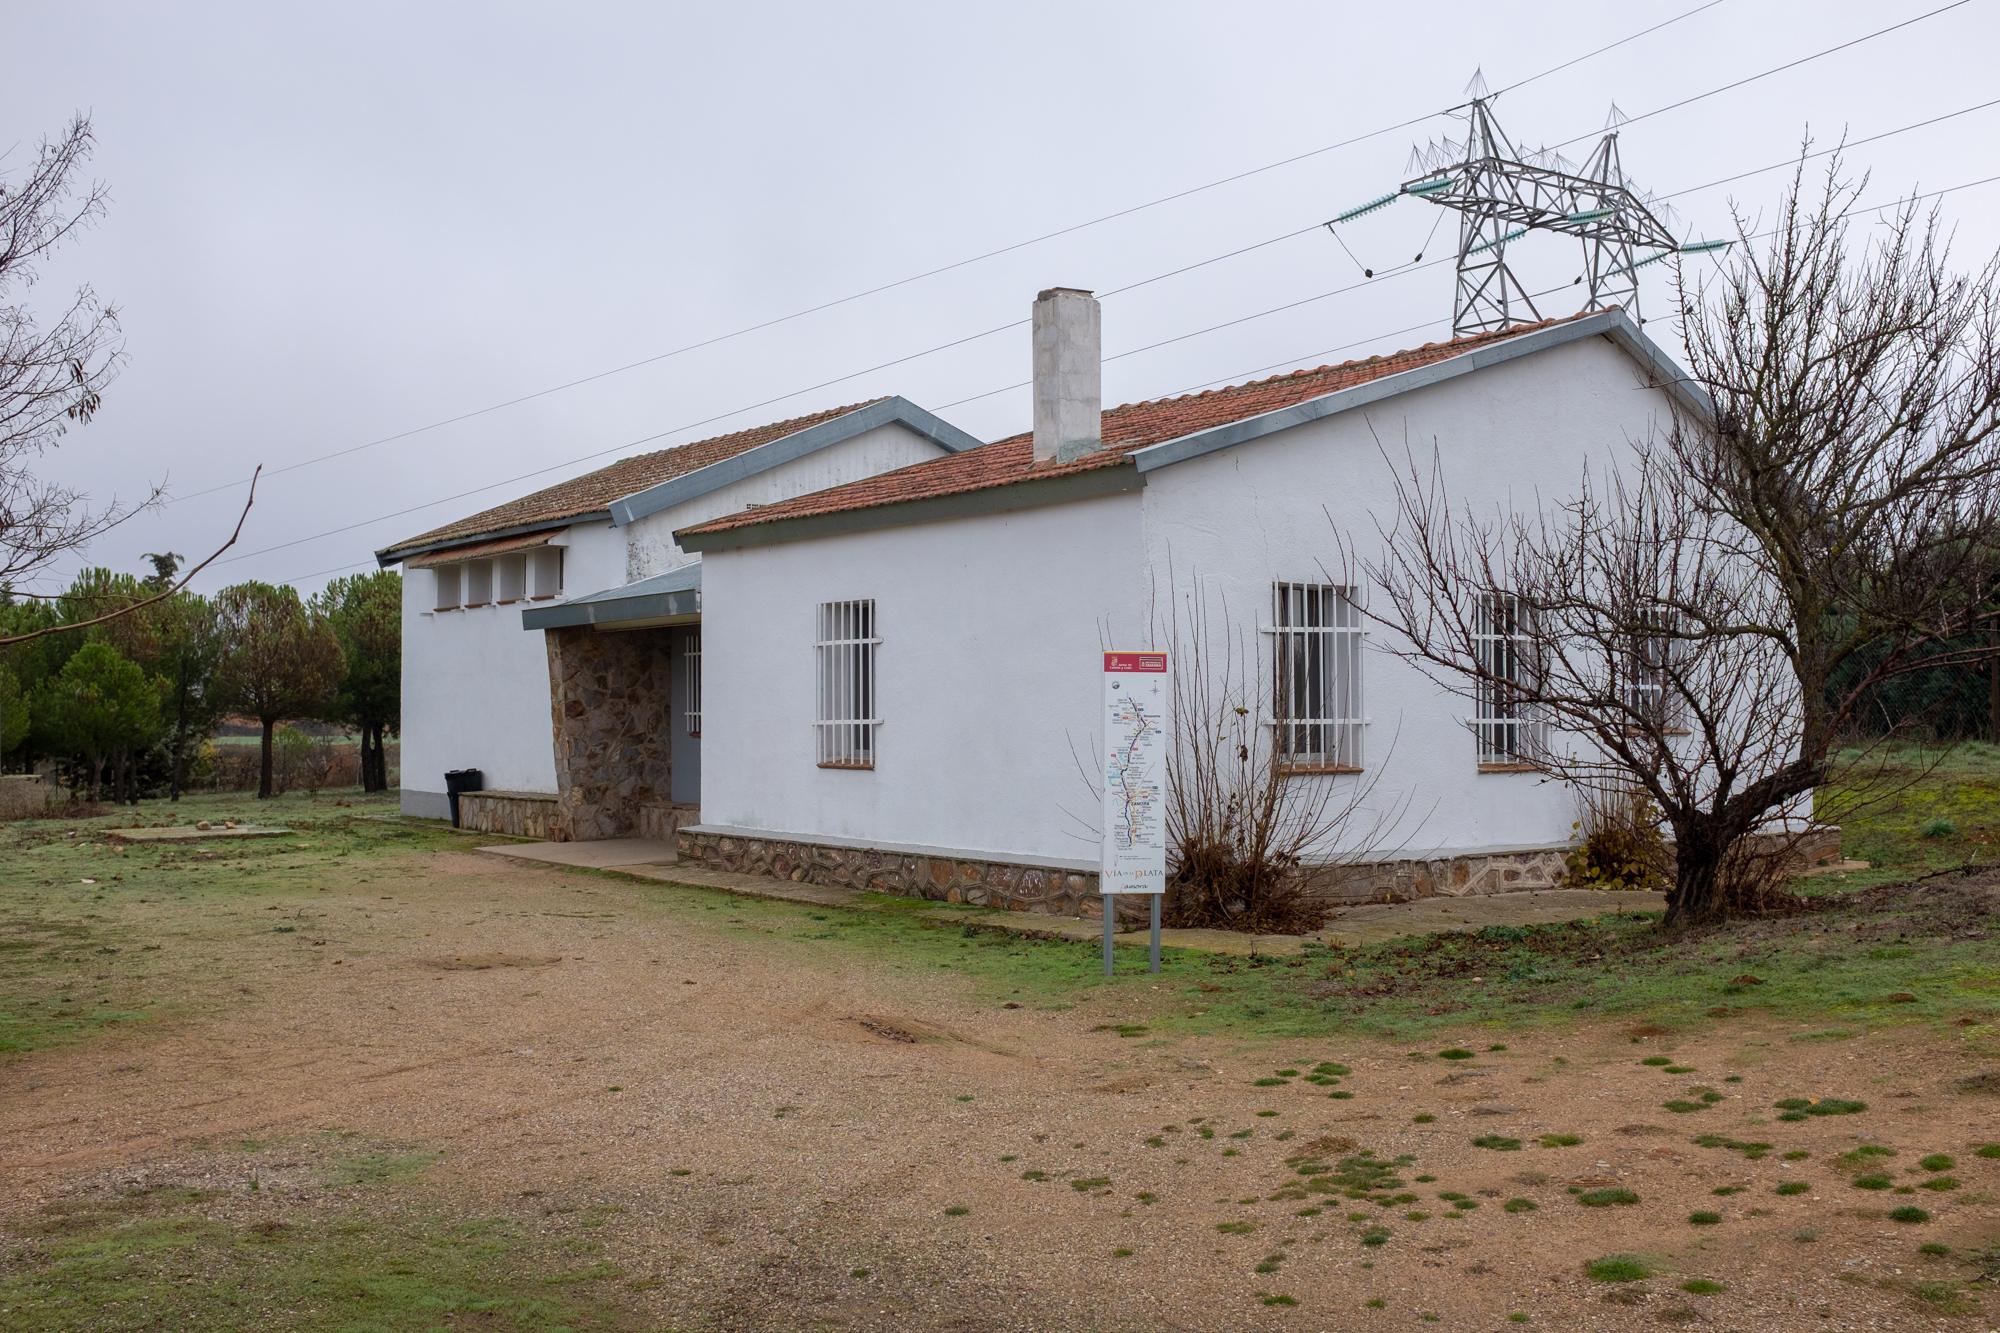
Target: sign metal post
1134, 852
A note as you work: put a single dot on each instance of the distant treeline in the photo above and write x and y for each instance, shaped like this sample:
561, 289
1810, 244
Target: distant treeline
123, 708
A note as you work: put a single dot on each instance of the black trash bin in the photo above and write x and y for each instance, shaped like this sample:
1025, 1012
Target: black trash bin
461, 780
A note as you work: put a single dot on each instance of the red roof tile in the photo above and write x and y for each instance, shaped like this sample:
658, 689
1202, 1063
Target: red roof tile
593, 492
1132, 426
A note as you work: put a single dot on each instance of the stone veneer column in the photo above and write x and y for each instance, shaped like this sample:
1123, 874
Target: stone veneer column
608, 695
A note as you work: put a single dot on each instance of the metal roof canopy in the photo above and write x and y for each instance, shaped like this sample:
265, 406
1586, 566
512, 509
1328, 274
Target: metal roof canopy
664, 599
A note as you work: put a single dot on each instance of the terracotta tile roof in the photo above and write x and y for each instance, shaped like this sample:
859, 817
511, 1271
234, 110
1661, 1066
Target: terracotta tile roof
593, 492
1132, 426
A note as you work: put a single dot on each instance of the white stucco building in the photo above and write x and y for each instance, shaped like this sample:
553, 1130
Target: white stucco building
597, 549
899, 635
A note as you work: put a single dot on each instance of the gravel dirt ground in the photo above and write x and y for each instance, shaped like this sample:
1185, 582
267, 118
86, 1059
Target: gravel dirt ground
767, 1134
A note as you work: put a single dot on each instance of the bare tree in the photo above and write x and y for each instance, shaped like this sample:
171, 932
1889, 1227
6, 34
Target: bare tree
1266, 799
52, 374
1816, 520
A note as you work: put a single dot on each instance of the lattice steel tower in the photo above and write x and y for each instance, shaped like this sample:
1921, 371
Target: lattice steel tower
1501, 195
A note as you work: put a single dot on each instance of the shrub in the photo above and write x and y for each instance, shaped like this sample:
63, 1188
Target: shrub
1619, 843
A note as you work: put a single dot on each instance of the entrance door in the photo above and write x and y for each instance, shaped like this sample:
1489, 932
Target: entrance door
685, 716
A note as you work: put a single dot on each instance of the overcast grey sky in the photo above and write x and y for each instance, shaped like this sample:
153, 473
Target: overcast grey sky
331, 224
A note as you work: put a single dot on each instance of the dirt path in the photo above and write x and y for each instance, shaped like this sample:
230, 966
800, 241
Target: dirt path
764, 1122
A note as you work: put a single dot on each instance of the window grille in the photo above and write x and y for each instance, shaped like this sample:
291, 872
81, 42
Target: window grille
447, 578
1507, 728
1649, 656
478, 582
545, 565
846, 649
1316, 640
691, 687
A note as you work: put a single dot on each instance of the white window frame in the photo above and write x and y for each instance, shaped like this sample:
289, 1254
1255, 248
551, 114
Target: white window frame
845, 651
691, 682
1507, 728
1317, 637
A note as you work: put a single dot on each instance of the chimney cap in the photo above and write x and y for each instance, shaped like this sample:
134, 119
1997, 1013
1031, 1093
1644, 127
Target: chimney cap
1047, 292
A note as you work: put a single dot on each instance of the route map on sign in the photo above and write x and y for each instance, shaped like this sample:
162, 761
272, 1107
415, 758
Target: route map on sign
1134, 854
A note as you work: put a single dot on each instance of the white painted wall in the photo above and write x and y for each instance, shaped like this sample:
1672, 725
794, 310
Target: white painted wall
991, 631
992, 626
884, 449
476, 685
1509, 437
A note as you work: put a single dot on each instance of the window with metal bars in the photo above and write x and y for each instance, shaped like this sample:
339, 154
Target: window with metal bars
1507, 726
1649, 655
1316, 639
846, 648
691, 682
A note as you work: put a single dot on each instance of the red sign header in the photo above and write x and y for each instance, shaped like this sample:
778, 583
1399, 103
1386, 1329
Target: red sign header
1128, 662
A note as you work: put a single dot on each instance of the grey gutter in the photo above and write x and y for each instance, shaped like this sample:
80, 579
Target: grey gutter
394, 555
788, 448
674, 593
1114, 479
1612, 324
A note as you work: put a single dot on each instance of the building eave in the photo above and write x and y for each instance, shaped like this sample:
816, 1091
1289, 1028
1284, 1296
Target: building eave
396, 555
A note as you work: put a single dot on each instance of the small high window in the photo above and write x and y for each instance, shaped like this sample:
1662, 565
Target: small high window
478, 582
512, 577
448, 579
545, 567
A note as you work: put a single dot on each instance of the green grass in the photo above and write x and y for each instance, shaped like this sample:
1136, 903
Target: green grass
181, 1260
1618, 1268
53, 929
94, 938
1702, 1286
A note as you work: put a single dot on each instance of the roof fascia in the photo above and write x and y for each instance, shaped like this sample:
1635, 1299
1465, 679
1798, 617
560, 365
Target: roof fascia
788, 448
1115, 479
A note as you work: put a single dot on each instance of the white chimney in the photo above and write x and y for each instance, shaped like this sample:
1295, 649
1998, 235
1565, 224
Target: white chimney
1069, 374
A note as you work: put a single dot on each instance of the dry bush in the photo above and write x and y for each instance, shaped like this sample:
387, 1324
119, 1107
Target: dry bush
1243, 833
1620, 844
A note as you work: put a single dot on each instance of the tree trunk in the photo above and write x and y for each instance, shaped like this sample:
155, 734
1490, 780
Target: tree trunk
374, 758
1696, 897
264, 761
96, 787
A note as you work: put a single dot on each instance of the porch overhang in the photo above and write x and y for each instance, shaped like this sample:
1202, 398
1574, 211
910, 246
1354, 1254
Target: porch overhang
664, 599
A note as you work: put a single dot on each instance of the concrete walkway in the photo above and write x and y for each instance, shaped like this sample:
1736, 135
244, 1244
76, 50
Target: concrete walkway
1349, 927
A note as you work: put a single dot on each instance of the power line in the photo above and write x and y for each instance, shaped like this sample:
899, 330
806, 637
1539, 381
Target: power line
967, 262
1908, 199
1149, 347
1765, 74
1547, 291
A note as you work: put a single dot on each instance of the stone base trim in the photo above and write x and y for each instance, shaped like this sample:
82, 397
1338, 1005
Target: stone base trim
938, 877
517, 814
662, 822
1465, 876
980, 882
